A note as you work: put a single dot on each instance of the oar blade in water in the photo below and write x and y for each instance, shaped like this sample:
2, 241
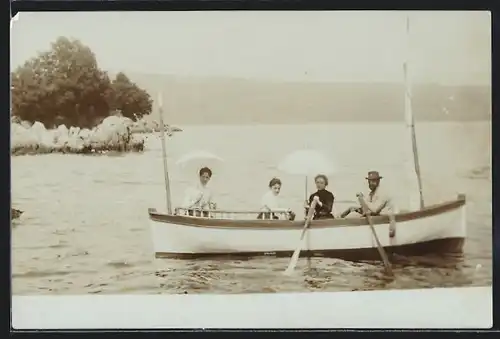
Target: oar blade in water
296, 253
293, 261
380, 248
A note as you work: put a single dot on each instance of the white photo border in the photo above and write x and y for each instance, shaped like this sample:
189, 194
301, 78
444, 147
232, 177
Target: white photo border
449, 308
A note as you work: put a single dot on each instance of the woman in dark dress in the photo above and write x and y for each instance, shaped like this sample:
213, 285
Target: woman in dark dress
324, 199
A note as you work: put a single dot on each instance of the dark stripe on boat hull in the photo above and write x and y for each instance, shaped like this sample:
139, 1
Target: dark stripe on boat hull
426, 212
433, 247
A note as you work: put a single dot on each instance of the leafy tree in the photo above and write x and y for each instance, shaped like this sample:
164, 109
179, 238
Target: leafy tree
62, 85
132, 101
65, 86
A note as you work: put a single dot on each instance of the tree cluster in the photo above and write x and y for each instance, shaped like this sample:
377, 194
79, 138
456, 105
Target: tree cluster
65, 86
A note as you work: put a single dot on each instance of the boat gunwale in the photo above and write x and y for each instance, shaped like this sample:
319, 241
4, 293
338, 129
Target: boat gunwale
257, 224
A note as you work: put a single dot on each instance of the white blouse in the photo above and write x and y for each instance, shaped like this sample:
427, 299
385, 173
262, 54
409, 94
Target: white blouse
197, 197
378, 198
272, 202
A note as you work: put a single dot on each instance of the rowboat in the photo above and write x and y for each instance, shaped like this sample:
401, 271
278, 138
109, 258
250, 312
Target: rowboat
436, 229
423, 230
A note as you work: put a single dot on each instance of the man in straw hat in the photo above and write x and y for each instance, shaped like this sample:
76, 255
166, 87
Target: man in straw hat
376, 200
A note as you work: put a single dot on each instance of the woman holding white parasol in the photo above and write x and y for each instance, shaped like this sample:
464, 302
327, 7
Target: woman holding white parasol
312, 163
199, 196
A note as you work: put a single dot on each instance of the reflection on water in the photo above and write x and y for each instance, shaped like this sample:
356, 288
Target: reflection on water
85, 226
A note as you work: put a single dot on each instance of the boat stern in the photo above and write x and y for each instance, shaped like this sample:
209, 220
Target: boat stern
463, 214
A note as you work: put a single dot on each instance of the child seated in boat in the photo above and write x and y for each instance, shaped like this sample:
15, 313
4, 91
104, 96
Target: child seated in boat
324, 199
199, 197
271, 202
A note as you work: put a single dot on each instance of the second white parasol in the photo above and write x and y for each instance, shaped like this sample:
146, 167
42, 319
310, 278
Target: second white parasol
307, 163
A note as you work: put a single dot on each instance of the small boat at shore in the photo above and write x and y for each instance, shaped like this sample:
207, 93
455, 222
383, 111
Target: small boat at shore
437, 229
15, 213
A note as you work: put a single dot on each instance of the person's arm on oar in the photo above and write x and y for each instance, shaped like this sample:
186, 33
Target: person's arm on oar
319, 206
350, 210
325, 207
374, 208
307, 205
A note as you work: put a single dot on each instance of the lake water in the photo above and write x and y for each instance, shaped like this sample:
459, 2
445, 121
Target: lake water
85, 226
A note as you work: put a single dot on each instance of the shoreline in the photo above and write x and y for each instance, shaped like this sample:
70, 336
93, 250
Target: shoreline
86, 150
114, 134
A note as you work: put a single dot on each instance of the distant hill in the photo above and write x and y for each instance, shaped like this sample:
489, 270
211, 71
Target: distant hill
240, 101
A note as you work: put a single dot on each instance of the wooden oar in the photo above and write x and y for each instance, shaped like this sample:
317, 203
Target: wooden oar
296, 253
381, 250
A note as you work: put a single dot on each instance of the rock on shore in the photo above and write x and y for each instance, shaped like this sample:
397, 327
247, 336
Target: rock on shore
113, 134
147, 124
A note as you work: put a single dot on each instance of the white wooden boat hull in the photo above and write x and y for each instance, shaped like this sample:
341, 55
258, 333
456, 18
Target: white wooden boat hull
436, 229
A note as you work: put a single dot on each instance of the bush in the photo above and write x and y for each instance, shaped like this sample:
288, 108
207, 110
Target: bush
65, 86
127, 98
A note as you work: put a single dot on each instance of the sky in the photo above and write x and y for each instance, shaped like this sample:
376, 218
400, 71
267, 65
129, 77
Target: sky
322, 46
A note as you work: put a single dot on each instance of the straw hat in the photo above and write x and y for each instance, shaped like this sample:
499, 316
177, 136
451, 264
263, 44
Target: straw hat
373, 175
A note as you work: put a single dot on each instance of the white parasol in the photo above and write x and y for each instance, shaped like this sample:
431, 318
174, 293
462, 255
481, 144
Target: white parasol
306, 163
195, 160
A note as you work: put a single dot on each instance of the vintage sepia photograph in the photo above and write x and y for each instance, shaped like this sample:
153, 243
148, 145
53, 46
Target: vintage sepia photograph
247, 152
